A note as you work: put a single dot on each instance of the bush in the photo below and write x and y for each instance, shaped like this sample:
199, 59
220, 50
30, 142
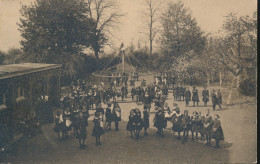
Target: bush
248, 87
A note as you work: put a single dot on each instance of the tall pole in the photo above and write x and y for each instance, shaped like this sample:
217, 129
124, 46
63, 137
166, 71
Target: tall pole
123, 61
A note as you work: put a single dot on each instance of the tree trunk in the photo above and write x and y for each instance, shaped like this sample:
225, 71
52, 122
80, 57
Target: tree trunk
235, 79
238, 82
208, 79
220, 78
229, 97
151, 39
212, 77
96, 54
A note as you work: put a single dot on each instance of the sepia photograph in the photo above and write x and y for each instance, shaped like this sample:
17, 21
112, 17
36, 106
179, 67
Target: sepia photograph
128, 81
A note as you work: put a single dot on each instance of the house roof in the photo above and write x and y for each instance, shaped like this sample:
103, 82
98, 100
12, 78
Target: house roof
11, 70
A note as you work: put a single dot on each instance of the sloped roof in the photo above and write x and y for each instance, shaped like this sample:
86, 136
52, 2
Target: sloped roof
11, 70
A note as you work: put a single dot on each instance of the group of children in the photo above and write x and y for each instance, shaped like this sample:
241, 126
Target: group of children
78, 121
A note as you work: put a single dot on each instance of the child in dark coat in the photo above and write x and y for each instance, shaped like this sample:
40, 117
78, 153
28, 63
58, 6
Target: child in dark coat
109, 117
82, 132
217, 132
146, 120
98, 127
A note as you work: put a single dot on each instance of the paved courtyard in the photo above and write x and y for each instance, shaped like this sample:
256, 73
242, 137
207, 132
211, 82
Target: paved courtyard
238, 123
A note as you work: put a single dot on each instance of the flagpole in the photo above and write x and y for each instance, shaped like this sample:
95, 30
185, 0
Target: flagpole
122, 51
123, 61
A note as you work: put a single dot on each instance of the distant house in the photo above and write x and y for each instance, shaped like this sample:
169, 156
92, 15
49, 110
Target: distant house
21, 87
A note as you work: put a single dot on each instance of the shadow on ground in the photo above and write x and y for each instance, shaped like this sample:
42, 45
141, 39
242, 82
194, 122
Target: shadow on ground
117, 147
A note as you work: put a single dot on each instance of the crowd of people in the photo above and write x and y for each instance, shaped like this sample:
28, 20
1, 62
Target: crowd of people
181, 93
206, 126
76, 105
85, 97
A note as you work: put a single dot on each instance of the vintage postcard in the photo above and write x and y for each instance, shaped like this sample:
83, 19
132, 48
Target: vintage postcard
128, 81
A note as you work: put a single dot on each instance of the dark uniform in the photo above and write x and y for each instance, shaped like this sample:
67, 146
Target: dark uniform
109, 117
214, 99
208, 128
129, 125
66, 102
195, 96
182, 93
195, 124
123, 92
133, 93
186, 125
146, 121
58, 124
187, 97
219, 96
205, 96
147, 102
67, 117
98, 128
177, 93
101, 110
82, 122
160, 122
176, 121
116, 113
217, 132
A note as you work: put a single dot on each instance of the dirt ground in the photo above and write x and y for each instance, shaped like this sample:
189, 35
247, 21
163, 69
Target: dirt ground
238, 123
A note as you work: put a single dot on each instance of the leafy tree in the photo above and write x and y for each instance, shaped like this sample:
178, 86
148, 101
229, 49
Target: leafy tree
181, 33
2, 57
14, 56
56, 31
237, 50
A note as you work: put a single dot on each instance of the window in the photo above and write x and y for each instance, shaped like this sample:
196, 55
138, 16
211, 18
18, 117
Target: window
2, 101
20, 93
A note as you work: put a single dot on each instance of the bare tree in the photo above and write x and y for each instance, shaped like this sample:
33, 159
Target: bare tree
152, 15
106, 14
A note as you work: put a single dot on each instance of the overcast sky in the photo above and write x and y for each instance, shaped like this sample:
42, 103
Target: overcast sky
208, 13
